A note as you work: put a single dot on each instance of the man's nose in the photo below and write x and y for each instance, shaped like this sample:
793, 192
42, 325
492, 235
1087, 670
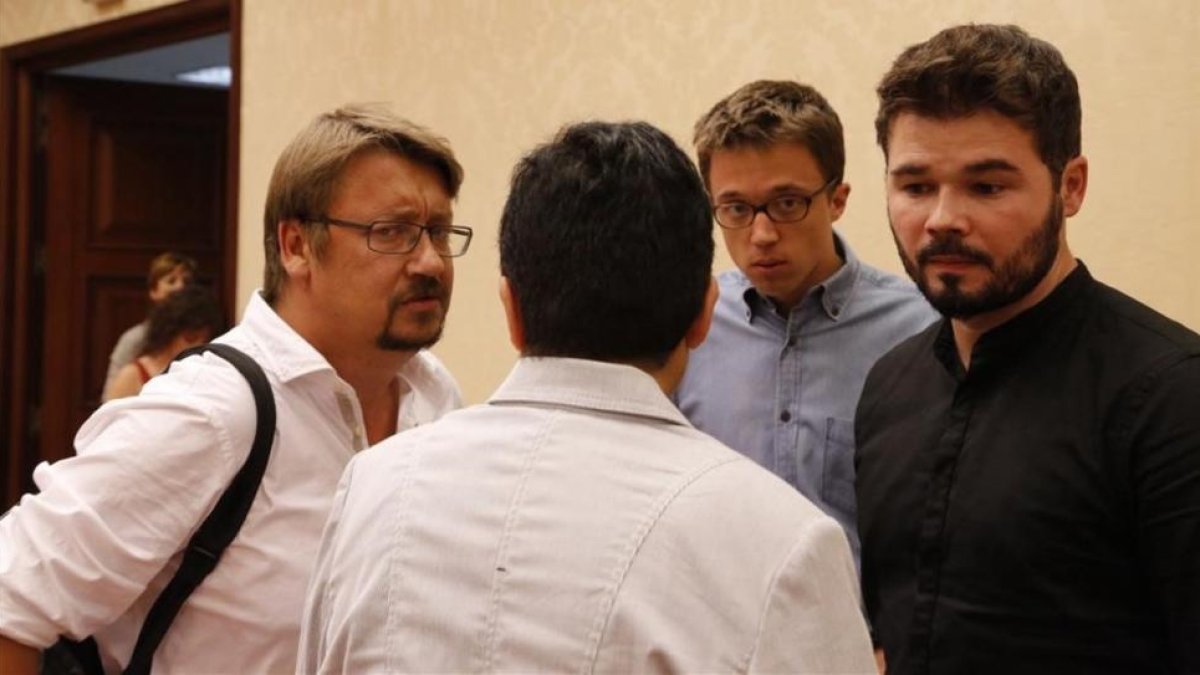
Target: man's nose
425, 259
949, 213
763, 230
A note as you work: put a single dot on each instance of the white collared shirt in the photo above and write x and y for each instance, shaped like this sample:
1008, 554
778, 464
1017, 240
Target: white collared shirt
577, 523
87, 554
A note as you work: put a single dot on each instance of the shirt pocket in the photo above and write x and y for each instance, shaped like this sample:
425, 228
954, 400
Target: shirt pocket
837, 488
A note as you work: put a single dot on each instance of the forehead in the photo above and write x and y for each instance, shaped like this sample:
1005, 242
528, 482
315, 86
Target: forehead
752, 168
177, 271
378, 181
934, 144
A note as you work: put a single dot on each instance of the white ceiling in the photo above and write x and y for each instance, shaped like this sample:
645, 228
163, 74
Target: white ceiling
159, 65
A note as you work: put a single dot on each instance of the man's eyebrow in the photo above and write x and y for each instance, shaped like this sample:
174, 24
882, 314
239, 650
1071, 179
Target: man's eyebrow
992, 165
982, 166
776, 190
909, 169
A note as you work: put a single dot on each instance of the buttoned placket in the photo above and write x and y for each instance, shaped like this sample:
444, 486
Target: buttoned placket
931, 535
787, 400
352, 416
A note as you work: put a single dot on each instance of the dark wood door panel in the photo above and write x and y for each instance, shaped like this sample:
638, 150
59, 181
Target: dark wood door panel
156, 183
132, 170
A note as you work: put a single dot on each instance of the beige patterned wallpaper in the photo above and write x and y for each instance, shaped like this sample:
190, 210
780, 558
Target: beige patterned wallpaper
22, 20
497, 76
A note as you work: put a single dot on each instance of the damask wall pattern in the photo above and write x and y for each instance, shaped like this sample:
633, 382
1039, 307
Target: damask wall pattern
23, 20
498, 76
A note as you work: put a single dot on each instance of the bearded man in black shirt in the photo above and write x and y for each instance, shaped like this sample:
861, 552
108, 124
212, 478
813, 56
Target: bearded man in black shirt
1029, 467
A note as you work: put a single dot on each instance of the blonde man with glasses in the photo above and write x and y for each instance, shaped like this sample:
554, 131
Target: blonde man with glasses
801, 320
339, 328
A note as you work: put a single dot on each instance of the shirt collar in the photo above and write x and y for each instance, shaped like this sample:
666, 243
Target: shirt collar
832, 294
1022, 331
284, 351
591, 385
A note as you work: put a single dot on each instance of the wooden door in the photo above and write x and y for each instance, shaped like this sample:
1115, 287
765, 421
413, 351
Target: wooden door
131, 170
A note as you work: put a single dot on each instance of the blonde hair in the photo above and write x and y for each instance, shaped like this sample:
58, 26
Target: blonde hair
307, 171
165, 263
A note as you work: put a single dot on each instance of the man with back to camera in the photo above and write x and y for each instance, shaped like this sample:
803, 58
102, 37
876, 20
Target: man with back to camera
1029, 467
576, 522
358, 242
801, 321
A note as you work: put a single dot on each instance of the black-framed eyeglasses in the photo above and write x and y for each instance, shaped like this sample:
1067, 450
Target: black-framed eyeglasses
399, 236
786, 208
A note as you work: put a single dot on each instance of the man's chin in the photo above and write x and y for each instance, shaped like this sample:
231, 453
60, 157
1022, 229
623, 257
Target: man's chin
409, 341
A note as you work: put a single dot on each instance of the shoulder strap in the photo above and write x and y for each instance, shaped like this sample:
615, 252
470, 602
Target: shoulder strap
222, 525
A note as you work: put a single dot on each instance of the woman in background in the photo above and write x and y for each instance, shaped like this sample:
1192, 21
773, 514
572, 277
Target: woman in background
188, 317
168, 273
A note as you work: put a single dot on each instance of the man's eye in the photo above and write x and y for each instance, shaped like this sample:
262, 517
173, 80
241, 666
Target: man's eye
788, 204
388, 230
916, 189
439, 235
987, 189
735, 209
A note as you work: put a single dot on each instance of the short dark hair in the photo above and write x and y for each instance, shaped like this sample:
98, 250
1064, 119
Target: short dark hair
965, 69
769, 112
606, 241
192, 307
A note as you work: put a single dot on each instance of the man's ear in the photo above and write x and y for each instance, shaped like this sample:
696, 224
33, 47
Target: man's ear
699, 329
294, 250
1073, 186
837, 201
512, 315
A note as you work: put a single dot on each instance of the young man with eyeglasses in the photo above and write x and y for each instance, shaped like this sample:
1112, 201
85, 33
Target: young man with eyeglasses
801, 321
339, 328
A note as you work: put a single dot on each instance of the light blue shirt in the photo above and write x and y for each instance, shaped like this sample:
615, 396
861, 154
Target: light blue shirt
782, 389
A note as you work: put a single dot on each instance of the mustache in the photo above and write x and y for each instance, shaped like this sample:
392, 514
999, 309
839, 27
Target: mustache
952, 245
422, 288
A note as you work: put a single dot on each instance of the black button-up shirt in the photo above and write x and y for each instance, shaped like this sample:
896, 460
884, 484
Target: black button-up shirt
1039, 511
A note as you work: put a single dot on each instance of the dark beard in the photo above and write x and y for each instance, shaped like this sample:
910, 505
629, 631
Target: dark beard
1015, 277
423, 287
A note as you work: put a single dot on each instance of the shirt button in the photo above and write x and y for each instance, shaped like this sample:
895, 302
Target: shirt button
785, 416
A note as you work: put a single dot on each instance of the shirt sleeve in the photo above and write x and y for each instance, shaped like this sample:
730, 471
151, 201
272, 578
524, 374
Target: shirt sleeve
812, 622
75, 556
1162, 430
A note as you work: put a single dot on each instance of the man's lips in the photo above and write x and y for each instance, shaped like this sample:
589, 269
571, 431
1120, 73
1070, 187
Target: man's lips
422, 303
951, 262
767, 263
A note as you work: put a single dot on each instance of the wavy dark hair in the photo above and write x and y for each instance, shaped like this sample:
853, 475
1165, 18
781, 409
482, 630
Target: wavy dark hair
191, 308
965, 69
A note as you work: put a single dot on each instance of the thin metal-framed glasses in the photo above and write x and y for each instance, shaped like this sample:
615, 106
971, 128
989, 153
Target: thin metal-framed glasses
786, 208
399, 236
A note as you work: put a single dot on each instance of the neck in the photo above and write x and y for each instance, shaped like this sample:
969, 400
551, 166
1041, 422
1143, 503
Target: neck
827, 266
670, 374
370, 371
968, 331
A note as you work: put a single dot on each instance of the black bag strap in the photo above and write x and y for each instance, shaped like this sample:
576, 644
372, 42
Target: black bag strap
222, 525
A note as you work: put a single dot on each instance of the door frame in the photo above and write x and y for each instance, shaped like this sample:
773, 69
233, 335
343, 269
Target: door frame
21, 69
